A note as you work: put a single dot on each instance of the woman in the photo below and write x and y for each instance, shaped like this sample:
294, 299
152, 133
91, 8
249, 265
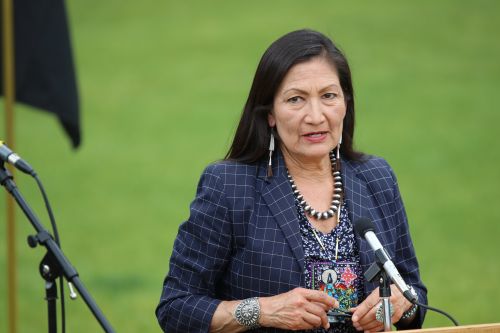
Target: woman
269, 243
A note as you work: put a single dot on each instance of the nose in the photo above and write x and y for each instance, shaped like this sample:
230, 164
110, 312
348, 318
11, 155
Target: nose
315, 113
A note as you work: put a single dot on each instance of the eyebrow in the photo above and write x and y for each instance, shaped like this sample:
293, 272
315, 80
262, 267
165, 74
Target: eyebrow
333, 85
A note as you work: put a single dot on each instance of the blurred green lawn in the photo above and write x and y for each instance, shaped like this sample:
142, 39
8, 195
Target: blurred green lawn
162, 85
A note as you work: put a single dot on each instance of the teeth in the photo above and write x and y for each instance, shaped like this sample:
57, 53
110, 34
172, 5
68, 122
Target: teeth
315, 135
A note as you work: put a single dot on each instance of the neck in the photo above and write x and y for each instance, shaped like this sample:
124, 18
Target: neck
312, 169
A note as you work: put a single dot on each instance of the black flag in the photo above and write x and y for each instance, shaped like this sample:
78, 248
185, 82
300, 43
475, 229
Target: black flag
44, 70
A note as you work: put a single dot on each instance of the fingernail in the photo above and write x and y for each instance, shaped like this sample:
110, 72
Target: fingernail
354, 318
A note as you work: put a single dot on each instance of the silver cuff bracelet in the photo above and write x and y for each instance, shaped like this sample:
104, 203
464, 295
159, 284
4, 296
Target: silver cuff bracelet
247, 313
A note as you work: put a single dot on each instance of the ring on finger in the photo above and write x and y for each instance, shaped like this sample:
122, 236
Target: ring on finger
379, 315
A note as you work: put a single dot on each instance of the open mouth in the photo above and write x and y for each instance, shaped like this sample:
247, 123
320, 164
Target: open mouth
314, 134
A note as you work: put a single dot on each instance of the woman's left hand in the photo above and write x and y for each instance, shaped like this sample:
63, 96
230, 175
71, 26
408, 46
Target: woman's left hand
363, 316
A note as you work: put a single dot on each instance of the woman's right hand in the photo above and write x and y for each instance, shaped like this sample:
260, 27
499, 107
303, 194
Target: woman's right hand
298, 309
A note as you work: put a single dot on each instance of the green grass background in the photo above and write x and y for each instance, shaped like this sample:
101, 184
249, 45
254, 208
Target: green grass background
162, 85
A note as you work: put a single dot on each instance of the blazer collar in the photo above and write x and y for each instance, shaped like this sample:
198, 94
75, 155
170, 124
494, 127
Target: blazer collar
277, 193
360, 194
355, 192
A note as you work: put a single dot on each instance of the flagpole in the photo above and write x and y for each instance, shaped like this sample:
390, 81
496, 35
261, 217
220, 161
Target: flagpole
9, 94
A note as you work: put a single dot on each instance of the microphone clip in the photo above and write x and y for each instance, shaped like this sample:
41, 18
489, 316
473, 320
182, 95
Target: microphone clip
5, 174
373, 272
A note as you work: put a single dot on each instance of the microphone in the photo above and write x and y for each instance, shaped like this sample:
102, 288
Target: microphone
364, 228
7, 155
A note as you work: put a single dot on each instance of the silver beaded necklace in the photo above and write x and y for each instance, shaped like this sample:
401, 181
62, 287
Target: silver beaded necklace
336, 198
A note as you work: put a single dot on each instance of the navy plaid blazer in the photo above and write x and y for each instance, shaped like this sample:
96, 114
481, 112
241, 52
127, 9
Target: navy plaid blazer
242, 238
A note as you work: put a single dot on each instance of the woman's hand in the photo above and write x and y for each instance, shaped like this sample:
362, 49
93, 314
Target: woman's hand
363, 316
298, 309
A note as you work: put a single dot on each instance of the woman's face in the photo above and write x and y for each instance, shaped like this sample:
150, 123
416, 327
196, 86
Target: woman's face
308, 110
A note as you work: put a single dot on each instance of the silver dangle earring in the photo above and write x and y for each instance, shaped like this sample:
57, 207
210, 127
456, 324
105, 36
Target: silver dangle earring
271, 149
338, 147
340, 180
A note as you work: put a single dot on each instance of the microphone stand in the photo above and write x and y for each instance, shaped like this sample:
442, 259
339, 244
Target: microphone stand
376, 272
54, 264
385, 295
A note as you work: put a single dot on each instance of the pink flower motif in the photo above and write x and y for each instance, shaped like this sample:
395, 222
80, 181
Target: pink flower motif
348, 276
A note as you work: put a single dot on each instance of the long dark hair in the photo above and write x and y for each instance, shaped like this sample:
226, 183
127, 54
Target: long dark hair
252, 136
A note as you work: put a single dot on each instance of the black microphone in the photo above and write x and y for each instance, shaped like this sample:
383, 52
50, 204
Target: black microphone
364, 228
9, 156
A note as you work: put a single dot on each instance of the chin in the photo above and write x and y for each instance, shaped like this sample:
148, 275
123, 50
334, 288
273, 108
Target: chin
317, 154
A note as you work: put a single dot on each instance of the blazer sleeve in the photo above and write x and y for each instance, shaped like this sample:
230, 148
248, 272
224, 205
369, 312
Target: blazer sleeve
406, 259
200, 253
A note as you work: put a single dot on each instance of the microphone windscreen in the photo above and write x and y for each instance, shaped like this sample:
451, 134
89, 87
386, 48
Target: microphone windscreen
362, 226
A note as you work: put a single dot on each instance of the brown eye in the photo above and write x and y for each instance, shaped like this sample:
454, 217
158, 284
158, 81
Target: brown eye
330, 96
294, 99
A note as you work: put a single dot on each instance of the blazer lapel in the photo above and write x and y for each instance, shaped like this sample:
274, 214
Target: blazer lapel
355, 191
357, 197
277, 193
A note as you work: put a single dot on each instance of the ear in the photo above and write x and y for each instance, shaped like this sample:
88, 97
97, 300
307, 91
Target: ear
271, 120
